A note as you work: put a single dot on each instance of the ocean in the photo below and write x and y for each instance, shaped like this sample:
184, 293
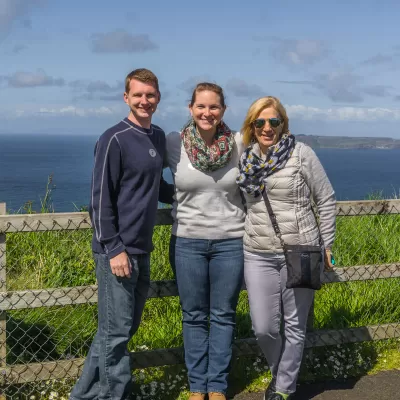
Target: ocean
26, 162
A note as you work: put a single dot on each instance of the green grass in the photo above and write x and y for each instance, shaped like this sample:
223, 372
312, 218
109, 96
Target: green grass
62, 259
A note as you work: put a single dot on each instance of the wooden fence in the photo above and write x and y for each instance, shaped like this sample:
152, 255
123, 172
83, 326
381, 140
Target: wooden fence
29, 299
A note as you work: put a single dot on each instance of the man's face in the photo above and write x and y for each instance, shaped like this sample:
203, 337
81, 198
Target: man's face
142, 100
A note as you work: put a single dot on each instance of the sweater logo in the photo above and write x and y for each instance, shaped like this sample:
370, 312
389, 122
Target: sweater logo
152, 152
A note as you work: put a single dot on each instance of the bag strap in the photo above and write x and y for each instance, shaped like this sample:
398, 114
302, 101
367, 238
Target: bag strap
274, 221
275, 225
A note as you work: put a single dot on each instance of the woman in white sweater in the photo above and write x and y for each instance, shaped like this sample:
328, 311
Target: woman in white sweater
206, 250
291, 176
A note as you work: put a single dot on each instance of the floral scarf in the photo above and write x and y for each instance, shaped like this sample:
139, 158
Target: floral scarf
208, 158
253, 169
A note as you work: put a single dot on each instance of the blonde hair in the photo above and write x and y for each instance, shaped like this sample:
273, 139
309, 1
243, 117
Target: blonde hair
254, 111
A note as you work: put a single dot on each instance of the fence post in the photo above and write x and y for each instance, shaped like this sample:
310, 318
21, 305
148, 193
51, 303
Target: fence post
3, 288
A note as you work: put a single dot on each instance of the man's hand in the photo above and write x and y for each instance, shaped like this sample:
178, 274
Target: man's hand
328, 262
121, 265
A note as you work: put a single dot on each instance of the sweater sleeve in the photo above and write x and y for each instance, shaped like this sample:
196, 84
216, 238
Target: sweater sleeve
167, 191
106, 177
321, 192
173, 150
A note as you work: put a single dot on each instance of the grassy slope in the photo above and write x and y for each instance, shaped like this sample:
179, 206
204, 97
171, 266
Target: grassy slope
56, 259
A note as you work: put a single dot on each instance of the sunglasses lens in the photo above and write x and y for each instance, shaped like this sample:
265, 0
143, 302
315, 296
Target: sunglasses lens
259, 123
274, 122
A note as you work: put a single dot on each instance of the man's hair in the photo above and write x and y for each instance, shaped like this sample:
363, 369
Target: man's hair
142, 75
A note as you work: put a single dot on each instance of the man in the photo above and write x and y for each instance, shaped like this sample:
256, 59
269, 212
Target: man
126, 186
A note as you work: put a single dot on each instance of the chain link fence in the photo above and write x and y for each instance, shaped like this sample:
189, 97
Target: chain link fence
48, 295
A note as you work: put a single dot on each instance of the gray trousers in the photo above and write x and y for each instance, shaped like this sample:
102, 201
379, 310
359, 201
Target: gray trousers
272, 304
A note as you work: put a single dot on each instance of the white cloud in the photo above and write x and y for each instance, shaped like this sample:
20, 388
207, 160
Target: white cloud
190, 83
171, 116
13, 10
165, 111
241, 88
101, 86
76, 111
343, 86
95, 86
18, 48
97, 90
28, 111
298, 52
378, 59
343, 113
112, 97
177, 114
22, 79
340, 86
121, 41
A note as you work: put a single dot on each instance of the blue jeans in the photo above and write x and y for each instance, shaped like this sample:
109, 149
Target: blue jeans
107, 371
209, 275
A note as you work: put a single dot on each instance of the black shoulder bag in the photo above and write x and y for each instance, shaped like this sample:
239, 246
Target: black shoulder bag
304, 263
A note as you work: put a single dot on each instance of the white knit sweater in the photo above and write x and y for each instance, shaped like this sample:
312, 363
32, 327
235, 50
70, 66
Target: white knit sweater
207, 205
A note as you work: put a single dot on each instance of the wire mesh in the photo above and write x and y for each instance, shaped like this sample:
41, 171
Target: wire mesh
48, 296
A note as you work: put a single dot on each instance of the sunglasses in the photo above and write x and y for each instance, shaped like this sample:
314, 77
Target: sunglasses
260, 122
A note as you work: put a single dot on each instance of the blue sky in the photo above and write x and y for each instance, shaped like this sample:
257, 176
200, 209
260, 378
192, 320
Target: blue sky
334, 64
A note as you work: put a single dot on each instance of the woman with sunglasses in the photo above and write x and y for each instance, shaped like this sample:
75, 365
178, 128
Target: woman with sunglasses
206, 249
292, 177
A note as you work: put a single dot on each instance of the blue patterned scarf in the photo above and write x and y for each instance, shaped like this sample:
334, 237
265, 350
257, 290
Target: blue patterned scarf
253, 169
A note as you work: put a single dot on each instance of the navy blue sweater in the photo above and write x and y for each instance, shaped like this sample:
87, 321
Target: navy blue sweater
126, 186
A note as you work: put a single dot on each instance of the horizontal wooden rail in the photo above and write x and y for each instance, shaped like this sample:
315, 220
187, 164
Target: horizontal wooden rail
81, 220
59, 221
367, 207
362, 273
17, 300
44, 222
18, 374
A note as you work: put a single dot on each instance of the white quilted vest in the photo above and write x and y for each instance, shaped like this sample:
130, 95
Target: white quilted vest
290, 199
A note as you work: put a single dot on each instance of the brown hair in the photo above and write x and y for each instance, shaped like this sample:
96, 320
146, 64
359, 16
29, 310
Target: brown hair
213, 87
255, 110
142, 75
